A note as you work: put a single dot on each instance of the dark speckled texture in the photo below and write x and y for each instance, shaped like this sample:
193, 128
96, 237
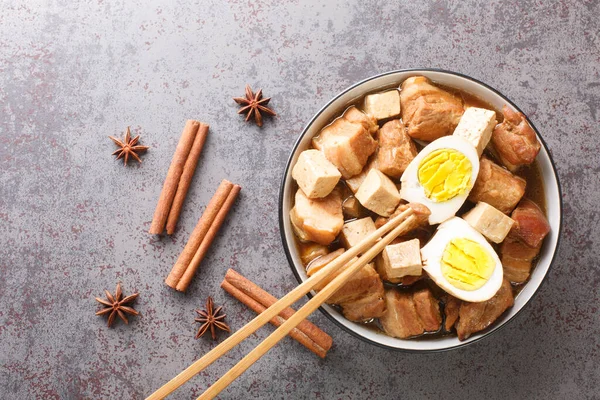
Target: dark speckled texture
74, 221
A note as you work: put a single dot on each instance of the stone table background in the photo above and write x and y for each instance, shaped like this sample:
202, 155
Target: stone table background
74, 220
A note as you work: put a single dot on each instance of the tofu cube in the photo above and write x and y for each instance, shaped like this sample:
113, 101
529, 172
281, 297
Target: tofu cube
378, 193
316, 176
489, 221
476, 125
398, 260
352, 208
383, 105
355, 231
355, 182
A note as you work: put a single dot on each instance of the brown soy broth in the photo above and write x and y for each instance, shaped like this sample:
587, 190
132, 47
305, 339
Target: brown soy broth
534, 191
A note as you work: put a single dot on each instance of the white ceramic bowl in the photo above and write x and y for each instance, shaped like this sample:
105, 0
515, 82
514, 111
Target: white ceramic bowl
389, 80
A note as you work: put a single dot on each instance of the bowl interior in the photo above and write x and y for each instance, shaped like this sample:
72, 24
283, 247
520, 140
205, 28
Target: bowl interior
392, 79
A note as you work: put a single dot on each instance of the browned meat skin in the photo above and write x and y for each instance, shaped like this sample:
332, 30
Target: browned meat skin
497, 187
428, 309
366, 308
348, 141
317, 220
475, 317
524, 241
451, 312
410, 314
396, 149
428, 111
514, 140
516, 258
531, 225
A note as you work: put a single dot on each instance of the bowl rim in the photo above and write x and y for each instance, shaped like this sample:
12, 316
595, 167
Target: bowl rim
282, 216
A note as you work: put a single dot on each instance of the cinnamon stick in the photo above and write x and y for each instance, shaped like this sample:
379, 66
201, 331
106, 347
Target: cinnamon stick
201, 238
257, 299
208, 239
186, 177
173, 176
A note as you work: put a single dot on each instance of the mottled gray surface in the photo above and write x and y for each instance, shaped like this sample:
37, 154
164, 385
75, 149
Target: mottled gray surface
74, 220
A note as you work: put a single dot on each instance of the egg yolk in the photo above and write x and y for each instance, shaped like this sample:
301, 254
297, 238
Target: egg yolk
466, 264
444, 174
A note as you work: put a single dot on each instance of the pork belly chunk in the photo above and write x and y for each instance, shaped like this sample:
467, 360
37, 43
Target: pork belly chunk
317, 220
428, 111
524, 241
497, 187
348, 142
531, 225
357, 180
475, 317
410, 314
396, 149
451, 310
514, 140
368, 307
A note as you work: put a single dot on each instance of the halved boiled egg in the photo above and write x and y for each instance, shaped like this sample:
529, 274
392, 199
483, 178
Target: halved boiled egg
441, 176
462, 262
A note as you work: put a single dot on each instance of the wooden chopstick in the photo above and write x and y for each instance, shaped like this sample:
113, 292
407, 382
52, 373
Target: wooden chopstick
286, 301
305, 311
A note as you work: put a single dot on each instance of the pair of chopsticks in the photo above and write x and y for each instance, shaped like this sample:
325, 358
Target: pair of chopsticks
370, 247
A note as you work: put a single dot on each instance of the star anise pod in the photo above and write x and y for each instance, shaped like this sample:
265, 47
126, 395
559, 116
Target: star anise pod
254, 104
115, 305
128, 147
211, 318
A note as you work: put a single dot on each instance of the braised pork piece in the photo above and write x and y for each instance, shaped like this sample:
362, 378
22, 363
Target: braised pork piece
372, 147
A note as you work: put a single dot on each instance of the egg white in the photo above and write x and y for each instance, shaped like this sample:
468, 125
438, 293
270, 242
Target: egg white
433, 251
411, 189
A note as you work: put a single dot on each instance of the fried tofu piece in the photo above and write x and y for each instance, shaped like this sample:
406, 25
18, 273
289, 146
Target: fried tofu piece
475, 317
489, 221
355, 231
378, 193
348, 142
317, 220
497, 186
428, 111
396, 149
315, 175
383, 105
409, 314
399, 260
352, 208
355, 182
476, 125
515, 140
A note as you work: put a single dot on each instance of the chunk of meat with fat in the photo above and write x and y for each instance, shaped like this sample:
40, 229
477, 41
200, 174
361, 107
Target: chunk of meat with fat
348, 142
317, 220
451, 308
428, 111
515, 140
497, 186
368, 307
517, 259
531, 225
475, 317
396, 149
524, 241
410, 314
